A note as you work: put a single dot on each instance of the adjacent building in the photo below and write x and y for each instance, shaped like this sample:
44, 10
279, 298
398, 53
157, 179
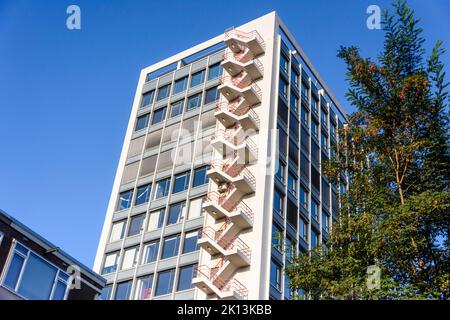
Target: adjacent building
220, 181
32, 268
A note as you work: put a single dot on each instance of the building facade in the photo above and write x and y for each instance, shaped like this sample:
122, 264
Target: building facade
219, 180
32, 268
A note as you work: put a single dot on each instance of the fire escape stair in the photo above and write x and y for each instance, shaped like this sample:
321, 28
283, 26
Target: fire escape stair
235, 39
235, 65
231, 114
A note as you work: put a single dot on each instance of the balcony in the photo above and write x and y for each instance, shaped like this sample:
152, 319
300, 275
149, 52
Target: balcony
240, 86
238, 111
235, 39
235, 63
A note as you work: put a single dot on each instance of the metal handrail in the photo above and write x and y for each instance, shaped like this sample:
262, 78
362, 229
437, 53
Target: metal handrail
226, 243
238, 82
246, 36
221, 284
243, 59
229, 205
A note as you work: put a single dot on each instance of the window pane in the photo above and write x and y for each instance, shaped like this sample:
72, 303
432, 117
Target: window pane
37, 279
177, 108
129, 258
151, 252
159, 115
163, 92
147, 99
195, 208
275, 275
14, 271
185, 278
165, 282
212, 95
60, 291
181, 182
145, 287
117, 231
194, 101
141, 122
190, 242
125, 199
200, 177
215, 71
162, 188
136, 225
198, 78
110, 263
123, 291
156, 220
143, 194
176, 213
180, 85
106, 293
170, 247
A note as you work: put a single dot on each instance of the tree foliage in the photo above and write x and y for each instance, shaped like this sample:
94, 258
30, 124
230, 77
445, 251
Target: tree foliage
394, 150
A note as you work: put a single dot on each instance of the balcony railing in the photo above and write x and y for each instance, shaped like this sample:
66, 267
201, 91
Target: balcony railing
241, 83
232, 107
232, 285
244, 59
230, 205
245, 36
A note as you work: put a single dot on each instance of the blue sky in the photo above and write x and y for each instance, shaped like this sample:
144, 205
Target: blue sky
65, 96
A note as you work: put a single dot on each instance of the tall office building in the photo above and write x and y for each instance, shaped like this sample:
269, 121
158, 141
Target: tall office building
219, 180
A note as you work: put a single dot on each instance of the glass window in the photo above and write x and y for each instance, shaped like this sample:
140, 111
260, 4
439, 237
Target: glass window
294, 102
129, 258
304, 116
324, 141
283, 88
315, 210
215, 71
194, 101
212, 95
277, 237
117, 231
290, 248
176, 108
278, 205
198, 78
147, 98
171, 245
151, 252
125, 200
185, 278
281, 172
164, 284
303, 229
162, 188
303, 198
159, 115
325, 221
314, 103
181, 182
156, 220
294, 78
294, 127
283, 63
292, 184
323, 118
195, 208
144, 288
15, 267
142, 194
110, 264
136, 225
163, 92
314, 239
314, 129
123, 291
275, 275
190, 242
304, 91
292, 213
176, 213
282, 142
287, 290
142, 122
180, 85
106, 293
200, 177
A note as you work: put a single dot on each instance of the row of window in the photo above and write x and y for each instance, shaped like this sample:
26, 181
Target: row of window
170, 248
34, 278
176, 108
181, 85
165, 281
180, 183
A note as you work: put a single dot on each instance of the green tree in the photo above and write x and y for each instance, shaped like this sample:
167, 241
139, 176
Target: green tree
395, 212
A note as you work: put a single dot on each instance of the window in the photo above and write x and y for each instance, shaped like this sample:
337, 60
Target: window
130, 258
147, 98
325, 221
176, 108
156, 220
304, 92
281, 175
282, 141
123, 290
180, 85
142, 122
314, 129
136, 225
314, 210
278, 203
125, 200
215, 71
200, 177
283, 63
185, 278
142, 195
290, 248
34, 278
304, 116
324, 142
170, 248
151, 252
314, 239
162, 188
159, 115
294, 102
283, 88
194, 101
190, 242
275, 275
164, 284
323, 118
304, 198
195, 208
303, 229
144, 288
212, 95
110, 264
163, 92
294, 127
117, 231
1, 238
197, 78
292, 184
181, 182
176, 213
283, 111
277, 237
294, 78
106, 293
292, 213
287, 289
314, 104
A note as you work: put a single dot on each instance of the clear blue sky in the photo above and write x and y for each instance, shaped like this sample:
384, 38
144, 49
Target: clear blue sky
65, 96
